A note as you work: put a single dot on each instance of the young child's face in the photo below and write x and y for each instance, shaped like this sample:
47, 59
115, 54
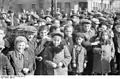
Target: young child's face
30, 37
105, 37
43, 33
21, 46
68, 31
57, 23
104, 27
57, 40
87, 27
79, 40
2, 34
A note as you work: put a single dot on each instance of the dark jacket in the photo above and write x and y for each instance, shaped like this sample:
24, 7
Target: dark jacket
5, 66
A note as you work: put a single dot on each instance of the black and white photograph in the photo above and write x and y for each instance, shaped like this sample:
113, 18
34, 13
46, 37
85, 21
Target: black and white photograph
59, 38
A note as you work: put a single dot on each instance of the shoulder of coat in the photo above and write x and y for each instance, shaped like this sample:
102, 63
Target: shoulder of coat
11, 52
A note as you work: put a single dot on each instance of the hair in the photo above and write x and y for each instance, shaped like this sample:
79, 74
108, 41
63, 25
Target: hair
43, 27
53, 21
52, 28
105, 33
66, 27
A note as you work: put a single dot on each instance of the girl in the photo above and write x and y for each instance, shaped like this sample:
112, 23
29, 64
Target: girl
103, 53
42, 43
79, 55
68, 31
22, 61
57, 56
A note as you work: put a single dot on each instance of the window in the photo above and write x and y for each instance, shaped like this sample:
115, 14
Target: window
67, 6
33, 6
20, 7
59, 5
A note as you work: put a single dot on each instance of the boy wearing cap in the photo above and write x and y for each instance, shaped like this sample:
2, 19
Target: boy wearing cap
57, 56
89, 34
76, 23
79, 55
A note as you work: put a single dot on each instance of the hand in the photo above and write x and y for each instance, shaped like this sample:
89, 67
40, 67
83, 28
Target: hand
39, 58
85, 65
26, 70
95, 43
60, 64
74, 65
54, 65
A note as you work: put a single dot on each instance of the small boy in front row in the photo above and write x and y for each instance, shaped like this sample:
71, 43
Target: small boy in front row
79, 55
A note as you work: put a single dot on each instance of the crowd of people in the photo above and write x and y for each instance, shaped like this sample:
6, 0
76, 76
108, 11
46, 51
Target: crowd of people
82, 43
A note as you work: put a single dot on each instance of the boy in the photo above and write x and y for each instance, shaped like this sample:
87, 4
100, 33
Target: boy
79, 55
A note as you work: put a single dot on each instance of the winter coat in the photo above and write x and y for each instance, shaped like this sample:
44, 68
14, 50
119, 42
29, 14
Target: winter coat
69, 42
79, 55
40, 67
19, 62
56, 55
102, 58
5, 66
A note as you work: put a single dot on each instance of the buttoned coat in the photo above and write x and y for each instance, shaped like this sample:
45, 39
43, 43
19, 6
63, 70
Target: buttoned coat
79, 56
102, 57
51, 56
28, 62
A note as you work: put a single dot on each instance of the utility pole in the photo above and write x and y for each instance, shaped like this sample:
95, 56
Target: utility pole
101, 5
53, 7
2, 4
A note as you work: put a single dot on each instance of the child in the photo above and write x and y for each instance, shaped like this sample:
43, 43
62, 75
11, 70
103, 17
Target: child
21, 60
57, 56
68, 31
42, 43
79, 55
103, 53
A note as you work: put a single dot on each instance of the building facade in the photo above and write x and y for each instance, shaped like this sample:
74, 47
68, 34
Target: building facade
66, 5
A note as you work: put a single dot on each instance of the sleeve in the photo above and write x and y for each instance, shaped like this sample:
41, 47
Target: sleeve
46, 58
74, 56
32, 64
67, 58
113, 50
86, 43
9, 67
85, 54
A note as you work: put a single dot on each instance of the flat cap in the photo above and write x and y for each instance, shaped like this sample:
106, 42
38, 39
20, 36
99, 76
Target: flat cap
85, 21
80, 35
95, 20
57, 33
